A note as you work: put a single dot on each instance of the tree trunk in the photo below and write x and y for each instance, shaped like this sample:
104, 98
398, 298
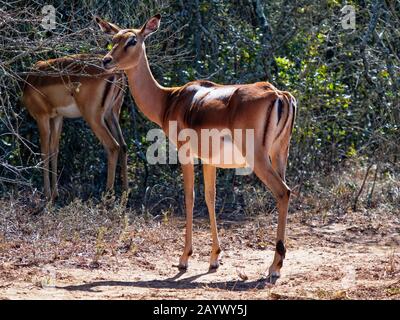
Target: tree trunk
266, 52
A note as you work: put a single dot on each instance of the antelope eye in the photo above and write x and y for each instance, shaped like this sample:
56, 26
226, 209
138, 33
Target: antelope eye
131, 42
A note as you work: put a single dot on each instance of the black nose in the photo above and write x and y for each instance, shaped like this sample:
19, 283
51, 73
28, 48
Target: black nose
106, 61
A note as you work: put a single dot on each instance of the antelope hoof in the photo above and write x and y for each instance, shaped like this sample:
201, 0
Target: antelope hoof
273, 277
183, 266
214, 265
184, 260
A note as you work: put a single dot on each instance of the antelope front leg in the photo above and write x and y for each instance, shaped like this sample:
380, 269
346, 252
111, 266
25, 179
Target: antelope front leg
55, 133
98, 126
188, 185
209, 173
44, 131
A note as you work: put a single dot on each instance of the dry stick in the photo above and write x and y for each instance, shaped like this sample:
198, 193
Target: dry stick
373, 186
371, 27
362, 187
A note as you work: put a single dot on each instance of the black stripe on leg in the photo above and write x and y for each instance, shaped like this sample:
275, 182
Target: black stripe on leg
280, 110
269, 111
280, 113
109, 83
280, 248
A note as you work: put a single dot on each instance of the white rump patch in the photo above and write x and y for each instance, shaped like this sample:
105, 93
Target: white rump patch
69, 111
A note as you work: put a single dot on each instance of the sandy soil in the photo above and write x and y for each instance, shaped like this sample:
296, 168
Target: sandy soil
356, 256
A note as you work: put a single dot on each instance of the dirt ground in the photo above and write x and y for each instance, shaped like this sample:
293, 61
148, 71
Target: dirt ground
356, 256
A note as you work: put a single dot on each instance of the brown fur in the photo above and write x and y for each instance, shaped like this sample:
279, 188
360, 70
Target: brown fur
247, 106
80, 83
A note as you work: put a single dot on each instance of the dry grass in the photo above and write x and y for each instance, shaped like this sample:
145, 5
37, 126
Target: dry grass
25, 217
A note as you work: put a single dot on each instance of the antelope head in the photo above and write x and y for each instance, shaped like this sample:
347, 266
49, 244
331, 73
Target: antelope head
128, 44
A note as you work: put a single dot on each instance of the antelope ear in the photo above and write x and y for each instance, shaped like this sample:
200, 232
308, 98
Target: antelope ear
106, 26
151, 26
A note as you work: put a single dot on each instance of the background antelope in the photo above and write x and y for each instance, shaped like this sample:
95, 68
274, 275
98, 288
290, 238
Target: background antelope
203, 104
72, 87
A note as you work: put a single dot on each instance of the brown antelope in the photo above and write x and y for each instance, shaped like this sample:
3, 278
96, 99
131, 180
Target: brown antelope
72, 87
202, 105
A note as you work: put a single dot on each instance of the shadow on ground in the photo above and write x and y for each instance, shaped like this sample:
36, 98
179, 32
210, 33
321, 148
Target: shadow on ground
174, 283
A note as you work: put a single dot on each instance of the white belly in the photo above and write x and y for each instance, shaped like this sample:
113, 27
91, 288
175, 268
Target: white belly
228, 155
69, 111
